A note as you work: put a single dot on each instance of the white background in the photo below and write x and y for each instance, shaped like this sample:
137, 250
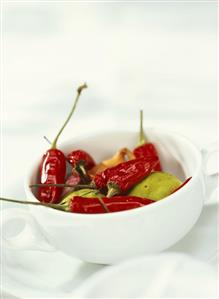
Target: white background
161, 57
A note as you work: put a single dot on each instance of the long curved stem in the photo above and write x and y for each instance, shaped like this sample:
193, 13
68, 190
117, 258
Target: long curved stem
49, 205
63, 185
142, 138
79, 90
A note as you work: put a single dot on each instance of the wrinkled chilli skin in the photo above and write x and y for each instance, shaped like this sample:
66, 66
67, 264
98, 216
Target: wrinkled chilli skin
148, 150
52, 171
125, 175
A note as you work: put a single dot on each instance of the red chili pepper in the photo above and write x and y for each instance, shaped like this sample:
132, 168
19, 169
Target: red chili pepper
146, 149
53, 165
124, 176
81, 162
183, 184
78, 156
114, 204
52, 171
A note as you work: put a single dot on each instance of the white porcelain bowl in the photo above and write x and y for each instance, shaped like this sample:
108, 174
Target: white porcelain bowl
110, 238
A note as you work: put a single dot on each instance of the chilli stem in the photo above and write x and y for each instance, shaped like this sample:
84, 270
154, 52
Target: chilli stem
142, 138
79, 90
62, 185
49, 205
103, 204
82, 172
113, 189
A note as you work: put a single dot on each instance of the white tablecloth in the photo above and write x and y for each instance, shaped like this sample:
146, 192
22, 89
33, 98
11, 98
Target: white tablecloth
160, 57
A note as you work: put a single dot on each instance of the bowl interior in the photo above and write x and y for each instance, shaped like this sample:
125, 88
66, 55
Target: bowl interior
178, 156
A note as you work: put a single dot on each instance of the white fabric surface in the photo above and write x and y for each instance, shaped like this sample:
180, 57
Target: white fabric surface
167, 275
160, 57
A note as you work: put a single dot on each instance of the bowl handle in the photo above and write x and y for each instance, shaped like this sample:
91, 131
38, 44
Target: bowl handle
29, 238
211, 177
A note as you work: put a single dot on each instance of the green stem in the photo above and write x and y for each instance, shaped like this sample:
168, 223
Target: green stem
62, 207
113, 189
82, 172
79, 90
103, 204
49, 205
62, 185
142, 138
111, 192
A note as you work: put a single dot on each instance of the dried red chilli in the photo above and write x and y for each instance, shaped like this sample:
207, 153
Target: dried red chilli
52, 171
146, 149
81, 161
53, 165
114, 204
124, 176
80, 156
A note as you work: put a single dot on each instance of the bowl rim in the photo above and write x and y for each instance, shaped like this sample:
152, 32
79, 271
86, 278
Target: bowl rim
125, 213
